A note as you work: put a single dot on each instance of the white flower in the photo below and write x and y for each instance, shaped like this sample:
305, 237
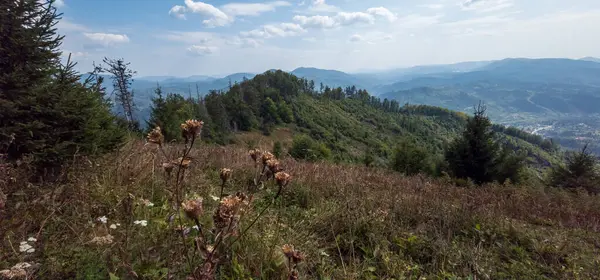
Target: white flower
113, 226
195, 227
24, 247
215, 198
150, 204
118, 224
141, 222
103, 219
31, 239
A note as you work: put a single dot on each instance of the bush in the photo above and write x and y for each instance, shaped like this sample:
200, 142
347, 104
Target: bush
277, 149
304, 147
411, 159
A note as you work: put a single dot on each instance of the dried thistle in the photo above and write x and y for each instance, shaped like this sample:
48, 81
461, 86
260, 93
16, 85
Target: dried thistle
266, 156
193, 208
227, 214
274, 166
254, 153
183, 162
155, 136
282, 179
288, 250
191, 128
168, 167
225, 174
18, 271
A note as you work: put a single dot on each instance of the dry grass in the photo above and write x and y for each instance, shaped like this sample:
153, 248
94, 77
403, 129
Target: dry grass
351, 222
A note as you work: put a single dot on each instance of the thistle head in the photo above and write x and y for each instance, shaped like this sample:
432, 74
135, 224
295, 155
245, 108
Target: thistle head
292, 254
282, 179
225, 174
191, 128
274, 165
155, 136
183, 162
192, 208
266, 156
254, 153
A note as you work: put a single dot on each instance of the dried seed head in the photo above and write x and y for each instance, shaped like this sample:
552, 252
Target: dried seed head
191, 128
155, 136
288, 250
274, 165
102, 240
227, 214
168, 167
266, 156
294, 275
254, 153
282, 179
193, 208
182, 162
225, 174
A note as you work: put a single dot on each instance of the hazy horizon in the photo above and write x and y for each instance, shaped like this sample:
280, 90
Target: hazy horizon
186, 37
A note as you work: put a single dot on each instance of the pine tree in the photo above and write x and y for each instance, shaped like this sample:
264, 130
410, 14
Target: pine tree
45, 112
580, 171
475, 154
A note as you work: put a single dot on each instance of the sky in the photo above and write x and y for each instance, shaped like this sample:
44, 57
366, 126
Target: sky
218, 37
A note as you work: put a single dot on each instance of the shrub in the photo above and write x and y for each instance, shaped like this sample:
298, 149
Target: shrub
304, 147
410, 159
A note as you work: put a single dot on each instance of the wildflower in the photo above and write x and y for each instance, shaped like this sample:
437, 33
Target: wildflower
155, 136
196, 228
103, 219
147, 203
215, 198
191, 128
225, 174
26, 248
282, 179
266, 156
113, 226
102, 240
193, 208
292, 254
254, 153
31, 239
225, 215
141, 222
274, 166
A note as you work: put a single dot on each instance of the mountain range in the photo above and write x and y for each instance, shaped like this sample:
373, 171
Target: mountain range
553, 97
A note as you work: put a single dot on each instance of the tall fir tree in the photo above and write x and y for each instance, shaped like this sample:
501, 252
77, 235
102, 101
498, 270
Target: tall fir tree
45, 112
122, 77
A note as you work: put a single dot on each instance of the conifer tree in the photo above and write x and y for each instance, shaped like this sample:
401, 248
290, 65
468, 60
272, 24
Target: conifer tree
45, 112
478, 156
122, 77
580, 171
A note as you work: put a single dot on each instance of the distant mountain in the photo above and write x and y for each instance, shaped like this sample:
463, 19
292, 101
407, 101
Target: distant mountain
157, 78
334, 78
592, 59
523, 92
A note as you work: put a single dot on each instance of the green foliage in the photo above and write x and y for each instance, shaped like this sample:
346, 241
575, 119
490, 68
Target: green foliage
580, 171
304, 147
169, 113
45, 111
478, 156
411, 159
277, 149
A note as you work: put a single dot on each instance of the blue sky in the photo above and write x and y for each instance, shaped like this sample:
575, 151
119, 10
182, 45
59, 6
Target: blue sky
190, 37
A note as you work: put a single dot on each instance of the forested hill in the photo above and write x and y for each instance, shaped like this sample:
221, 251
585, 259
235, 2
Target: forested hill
345, 125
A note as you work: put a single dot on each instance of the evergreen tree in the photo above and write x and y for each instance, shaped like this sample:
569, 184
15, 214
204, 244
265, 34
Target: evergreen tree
477, 154
580, 171
45, 111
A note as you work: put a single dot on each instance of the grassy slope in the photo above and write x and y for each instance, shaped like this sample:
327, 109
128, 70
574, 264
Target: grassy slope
352, 222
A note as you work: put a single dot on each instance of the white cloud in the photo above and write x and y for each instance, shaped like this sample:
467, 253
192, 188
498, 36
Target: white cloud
356, 38
387, 38
341, 19
190, 37
382, 12
215, 16
245, 42
107, 39
200, 50
485, 6
321, 6
432, 6
252, 9
74, 54
278, 30
64, 25
177, 12
59, 3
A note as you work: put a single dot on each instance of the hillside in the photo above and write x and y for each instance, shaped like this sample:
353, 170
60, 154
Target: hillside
529, 93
